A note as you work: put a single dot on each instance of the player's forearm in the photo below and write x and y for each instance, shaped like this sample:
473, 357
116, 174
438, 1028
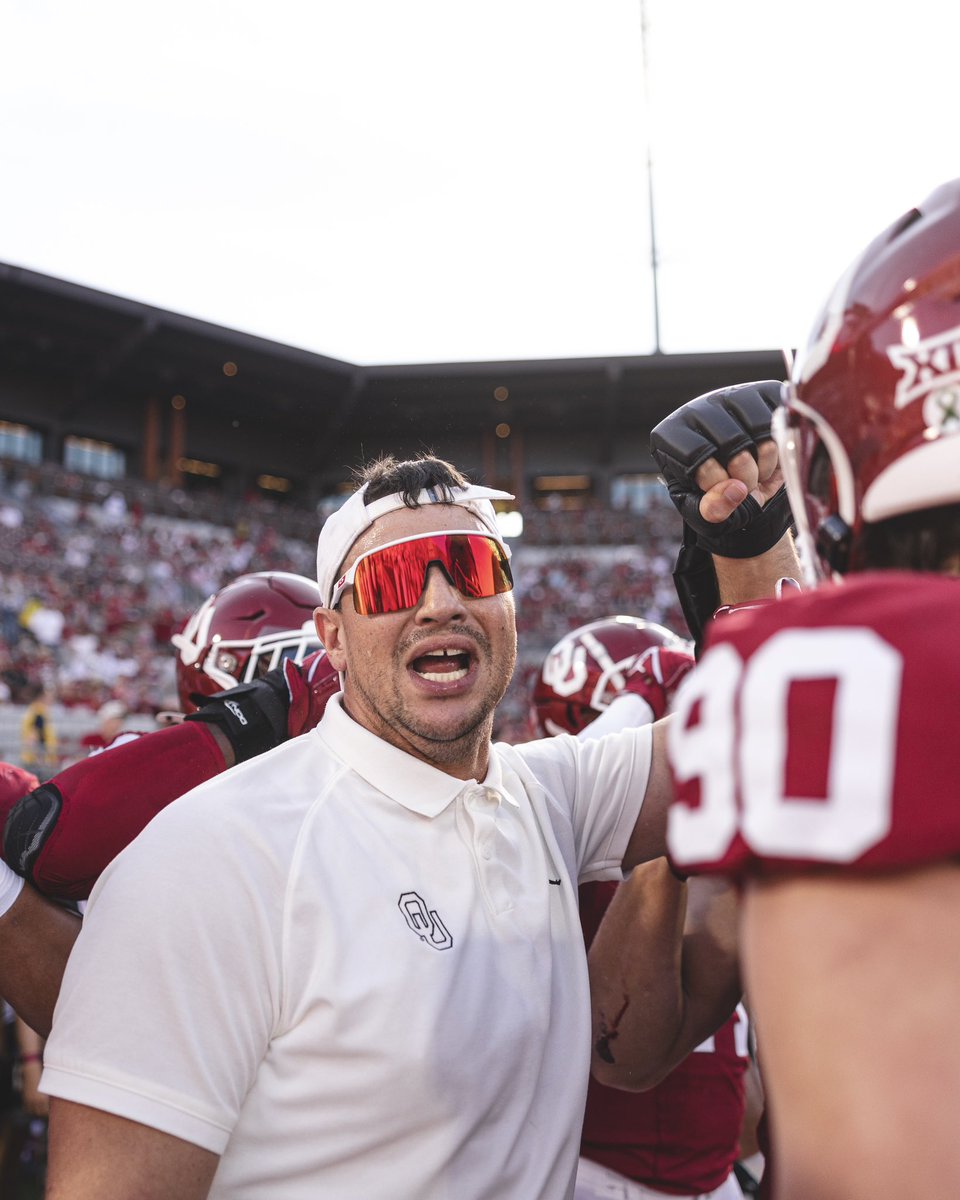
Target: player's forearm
635, 977
740, 580
36, 937
664, 974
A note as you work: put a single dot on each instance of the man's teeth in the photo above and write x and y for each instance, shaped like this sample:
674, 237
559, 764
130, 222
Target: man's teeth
448, 676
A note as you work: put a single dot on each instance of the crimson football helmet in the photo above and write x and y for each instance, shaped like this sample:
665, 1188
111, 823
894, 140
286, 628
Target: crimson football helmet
869, 428
587, 669
243, 631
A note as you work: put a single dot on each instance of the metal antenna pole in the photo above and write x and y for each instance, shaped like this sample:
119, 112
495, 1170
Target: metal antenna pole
654, 257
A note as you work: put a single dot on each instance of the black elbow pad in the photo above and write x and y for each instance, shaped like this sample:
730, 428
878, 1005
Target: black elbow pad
29, 823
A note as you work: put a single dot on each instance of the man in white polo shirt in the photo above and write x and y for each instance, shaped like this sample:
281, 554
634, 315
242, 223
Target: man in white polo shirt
352, 967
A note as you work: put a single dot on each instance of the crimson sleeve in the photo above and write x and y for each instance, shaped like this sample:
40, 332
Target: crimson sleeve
63, 834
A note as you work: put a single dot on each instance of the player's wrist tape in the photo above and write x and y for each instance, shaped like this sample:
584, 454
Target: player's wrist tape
11, 885
253, 716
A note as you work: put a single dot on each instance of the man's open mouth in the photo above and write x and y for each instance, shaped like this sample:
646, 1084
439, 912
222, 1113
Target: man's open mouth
446, 666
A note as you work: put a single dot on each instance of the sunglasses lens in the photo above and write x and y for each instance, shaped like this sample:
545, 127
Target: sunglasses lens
392, 579
477, 566
386, 582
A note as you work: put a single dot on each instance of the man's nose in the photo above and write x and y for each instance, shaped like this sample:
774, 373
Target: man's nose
439, 600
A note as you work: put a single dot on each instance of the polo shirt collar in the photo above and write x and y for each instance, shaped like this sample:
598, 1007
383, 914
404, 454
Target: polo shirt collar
409, 781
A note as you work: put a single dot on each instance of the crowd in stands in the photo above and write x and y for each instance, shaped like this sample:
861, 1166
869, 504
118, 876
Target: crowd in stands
95, 577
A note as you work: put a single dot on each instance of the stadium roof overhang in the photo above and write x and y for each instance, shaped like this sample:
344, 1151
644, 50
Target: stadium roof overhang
92, 346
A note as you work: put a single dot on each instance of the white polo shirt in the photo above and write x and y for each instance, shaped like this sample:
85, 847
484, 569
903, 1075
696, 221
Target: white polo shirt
352, 975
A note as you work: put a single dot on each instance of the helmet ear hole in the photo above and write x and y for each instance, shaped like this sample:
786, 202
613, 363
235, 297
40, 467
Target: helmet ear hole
834, 536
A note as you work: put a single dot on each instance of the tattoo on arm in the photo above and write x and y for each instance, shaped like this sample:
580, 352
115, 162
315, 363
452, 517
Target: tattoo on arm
610, 1032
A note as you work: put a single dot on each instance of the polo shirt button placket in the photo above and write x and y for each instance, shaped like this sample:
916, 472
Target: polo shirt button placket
480, 805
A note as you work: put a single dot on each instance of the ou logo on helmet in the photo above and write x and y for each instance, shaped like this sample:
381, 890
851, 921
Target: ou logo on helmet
567, 669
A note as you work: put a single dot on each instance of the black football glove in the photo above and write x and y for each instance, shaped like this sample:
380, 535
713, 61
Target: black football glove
253, 716
719, 425
287, 701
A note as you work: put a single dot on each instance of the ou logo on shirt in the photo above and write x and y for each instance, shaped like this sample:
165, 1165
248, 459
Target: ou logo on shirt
424, 922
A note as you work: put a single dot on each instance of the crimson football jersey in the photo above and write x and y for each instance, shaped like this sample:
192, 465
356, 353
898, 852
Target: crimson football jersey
823, 730
682, 1135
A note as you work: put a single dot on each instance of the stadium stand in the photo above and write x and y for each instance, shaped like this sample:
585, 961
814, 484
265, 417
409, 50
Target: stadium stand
94, 578
205, 452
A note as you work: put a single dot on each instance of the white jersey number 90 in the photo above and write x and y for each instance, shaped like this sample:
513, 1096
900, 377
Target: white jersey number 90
739, 747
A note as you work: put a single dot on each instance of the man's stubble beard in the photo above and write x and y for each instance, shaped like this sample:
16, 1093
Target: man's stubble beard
448, 746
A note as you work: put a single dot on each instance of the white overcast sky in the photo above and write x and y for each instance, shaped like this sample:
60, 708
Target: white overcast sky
390, 181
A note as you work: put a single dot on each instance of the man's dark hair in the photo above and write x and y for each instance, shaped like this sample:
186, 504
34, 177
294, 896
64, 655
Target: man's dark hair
408, 477
927, 540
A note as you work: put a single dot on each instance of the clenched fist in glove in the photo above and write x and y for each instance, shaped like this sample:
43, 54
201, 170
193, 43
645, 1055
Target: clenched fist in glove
721, 468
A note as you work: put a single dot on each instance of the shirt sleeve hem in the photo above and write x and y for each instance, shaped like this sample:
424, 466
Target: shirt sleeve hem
603, 871
122, 1102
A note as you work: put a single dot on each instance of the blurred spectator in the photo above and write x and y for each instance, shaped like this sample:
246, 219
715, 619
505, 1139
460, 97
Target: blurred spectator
45, 623
38, 737
110, 718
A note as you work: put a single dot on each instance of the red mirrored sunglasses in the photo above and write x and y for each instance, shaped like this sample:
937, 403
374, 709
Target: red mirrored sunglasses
392, 577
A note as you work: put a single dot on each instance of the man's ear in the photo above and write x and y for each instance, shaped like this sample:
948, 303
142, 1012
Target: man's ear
329, 625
